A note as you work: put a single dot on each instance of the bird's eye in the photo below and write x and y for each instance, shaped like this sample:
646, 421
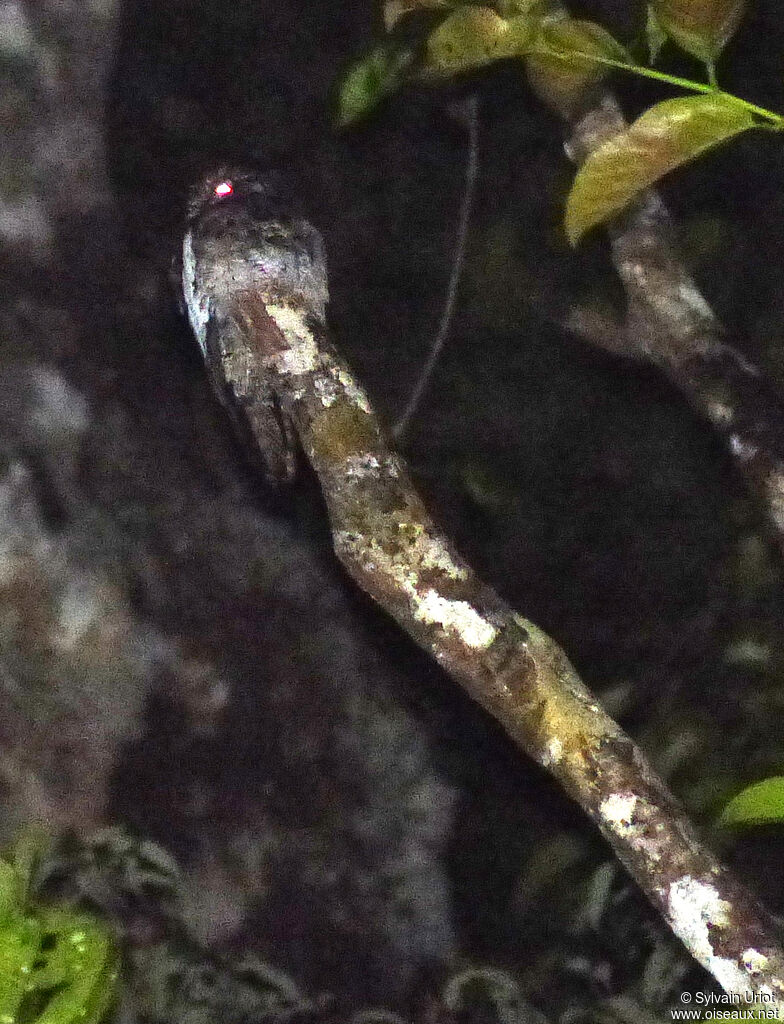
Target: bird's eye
223, 189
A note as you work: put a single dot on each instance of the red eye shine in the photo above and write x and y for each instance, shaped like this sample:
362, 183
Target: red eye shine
225, 188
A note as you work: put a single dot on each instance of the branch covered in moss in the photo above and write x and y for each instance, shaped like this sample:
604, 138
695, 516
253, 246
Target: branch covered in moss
389, 544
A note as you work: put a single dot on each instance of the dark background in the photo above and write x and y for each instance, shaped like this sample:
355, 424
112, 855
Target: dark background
180, 653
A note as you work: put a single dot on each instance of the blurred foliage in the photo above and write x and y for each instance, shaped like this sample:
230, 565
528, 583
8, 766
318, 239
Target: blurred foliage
167, 975
57, 966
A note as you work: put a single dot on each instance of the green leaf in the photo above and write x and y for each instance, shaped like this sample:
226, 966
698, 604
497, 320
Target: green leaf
56, 966
760, 804
573, 41
79, 967
473, 37
371, 79
700, 27
655, 36
665, 137
20, 939
558, 65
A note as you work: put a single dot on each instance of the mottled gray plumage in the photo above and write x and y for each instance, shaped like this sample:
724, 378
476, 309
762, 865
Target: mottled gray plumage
247, 238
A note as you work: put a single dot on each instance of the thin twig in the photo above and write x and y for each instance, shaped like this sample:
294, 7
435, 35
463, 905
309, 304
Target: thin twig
470, 117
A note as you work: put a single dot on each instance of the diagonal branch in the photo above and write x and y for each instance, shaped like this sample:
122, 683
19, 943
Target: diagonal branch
388, 543
386, 540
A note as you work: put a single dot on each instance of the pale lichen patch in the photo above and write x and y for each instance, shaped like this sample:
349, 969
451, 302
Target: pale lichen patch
352, 390
362, 465
430, 607
303, 353
431, 553
454, 616
731, 976
359, 465
618, 811
629, 817
327, 389
754, 961
337, 382
553, 752
695, 907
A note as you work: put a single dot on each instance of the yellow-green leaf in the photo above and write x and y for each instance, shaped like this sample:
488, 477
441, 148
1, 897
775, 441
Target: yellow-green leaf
558, 65
539, 8
665, 137
760, 804
79, 965
394, 10
372, 78
473, 37
701, 27
655, 36
19, 945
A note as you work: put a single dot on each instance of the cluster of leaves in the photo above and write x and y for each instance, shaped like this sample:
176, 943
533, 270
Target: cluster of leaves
57, 966
564, 59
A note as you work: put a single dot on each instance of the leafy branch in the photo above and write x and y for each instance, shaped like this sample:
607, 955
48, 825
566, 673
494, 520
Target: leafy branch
668, 321
564, 59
